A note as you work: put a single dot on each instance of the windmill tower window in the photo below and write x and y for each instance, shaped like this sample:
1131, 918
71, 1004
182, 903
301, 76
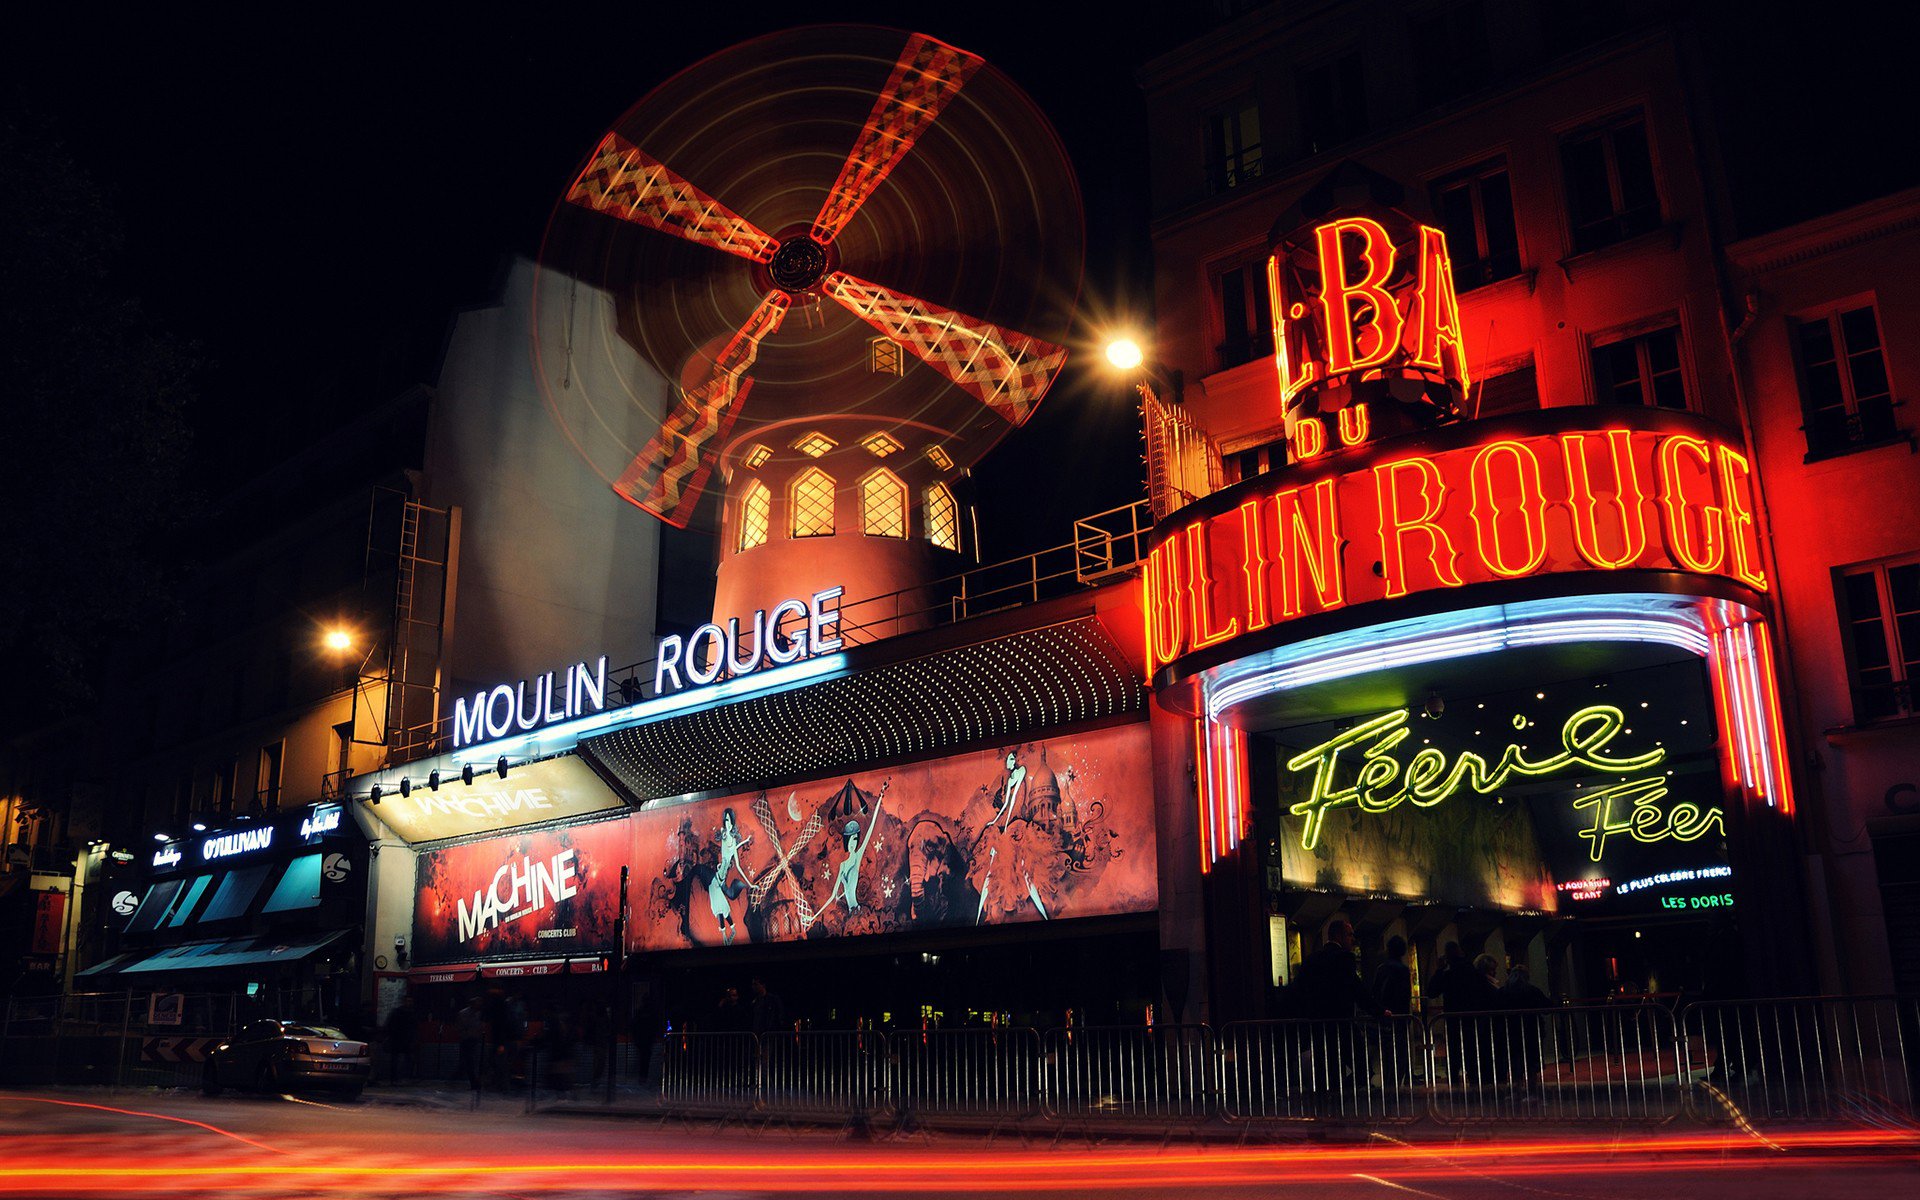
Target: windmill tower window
756, 514
939, 458
883, 505
943, 518
756, 457
812, 504
879, 443
886, 357
813, 445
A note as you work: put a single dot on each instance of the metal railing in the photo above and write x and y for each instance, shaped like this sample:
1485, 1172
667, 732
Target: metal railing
1286, 1071
823, 1073
1804, 1059
983, 1074
1163, 1072
1601, 1063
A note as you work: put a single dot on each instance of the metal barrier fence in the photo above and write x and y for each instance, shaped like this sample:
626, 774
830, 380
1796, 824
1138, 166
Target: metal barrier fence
1604, 1063
985, 1074
1808, 1058
710, 1071
1161, 1073
824, 1073
1286, 1071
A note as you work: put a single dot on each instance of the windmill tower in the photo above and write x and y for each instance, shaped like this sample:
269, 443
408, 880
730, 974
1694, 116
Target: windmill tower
854, 253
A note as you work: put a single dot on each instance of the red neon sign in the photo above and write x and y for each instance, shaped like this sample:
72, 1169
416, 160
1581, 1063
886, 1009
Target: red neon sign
1512, 506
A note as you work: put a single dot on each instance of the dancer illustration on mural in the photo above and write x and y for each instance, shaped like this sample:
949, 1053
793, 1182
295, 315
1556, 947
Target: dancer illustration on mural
1010, 791
721, 892
846, 882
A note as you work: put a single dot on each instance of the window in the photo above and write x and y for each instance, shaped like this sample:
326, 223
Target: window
1843, 381
813, 445
756, 457
226, 784
879, 443
943, 518
1515, 389
299, 886
811, 502
1333, 102
756, 515
884, 357
1246, 317
883, 505
1450, 53
1233, 145
1609, 178
939, 458
1880, 623
1641, 370
1476, 212
267, 785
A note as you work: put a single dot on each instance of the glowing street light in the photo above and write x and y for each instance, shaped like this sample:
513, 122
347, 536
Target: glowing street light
339, 640
1125, 353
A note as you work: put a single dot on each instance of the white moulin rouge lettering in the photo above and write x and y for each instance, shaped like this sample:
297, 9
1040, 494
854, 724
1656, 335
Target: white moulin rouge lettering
531, 705
517, 890
711, 650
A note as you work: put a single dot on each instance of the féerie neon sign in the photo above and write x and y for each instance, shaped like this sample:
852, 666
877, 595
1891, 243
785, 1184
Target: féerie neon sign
1383, 783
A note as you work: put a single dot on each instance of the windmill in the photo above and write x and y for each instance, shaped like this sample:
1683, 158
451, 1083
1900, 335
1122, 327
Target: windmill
851, 256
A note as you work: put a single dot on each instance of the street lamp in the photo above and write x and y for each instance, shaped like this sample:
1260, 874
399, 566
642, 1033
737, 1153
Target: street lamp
1125, 353
339, 639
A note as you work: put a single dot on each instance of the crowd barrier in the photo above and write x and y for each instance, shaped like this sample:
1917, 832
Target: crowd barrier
1761, 1061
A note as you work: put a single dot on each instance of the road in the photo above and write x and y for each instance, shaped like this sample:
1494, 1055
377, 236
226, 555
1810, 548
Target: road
79, 1143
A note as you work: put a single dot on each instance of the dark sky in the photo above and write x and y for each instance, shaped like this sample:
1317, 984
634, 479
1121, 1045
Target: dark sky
311, 199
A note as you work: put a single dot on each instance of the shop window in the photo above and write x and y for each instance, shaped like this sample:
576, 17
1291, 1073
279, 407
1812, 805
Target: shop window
267, 784
1641, 370
883, 505
1233, 145
1333, 102
1450, 53
943, 518
811, 502
1844, 392
1515, 389
1246, 319
1476, 212
756, 515
1611, 195
1880, 623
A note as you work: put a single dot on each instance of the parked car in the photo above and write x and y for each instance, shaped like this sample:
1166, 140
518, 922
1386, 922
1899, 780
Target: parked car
280, 1056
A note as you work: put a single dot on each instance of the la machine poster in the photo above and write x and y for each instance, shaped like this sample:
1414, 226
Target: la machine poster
1038, 831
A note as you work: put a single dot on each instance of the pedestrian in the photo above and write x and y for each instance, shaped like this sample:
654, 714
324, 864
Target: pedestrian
403, 1026
1454, 981
1393, 980
1331, 993
1393, 991
731, 1015
470, 1027
499, 1021
769, 1014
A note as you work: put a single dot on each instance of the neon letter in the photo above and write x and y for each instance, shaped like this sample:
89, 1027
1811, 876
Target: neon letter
1673, 494
1396, 525
1253, 542
1337, 294
1532, 505
1309, 549
1736, 481
1200, 571
1629, 499
1437, 310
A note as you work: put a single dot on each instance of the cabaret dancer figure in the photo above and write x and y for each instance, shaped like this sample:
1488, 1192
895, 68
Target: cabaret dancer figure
721, 892
846, 882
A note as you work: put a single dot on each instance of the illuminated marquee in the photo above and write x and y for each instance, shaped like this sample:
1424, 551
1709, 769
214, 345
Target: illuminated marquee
1671, 496
496, 713
1380, 781
701, 656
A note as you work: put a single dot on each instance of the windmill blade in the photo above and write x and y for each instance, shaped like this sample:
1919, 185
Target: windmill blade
928, 75
624, 181
1008, 372
667, 476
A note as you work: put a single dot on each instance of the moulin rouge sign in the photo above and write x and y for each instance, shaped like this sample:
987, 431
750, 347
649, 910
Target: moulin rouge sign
1367, 338
1667, 497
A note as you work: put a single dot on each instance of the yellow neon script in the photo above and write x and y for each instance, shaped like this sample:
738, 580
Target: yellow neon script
1643, 819
1382, 783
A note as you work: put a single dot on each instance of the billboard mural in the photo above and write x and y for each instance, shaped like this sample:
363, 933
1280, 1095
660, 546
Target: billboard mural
1040, 831
554, 892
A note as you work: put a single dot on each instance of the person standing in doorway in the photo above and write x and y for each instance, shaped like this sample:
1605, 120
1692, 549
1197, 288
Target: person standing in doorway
403, 1025
470, 1027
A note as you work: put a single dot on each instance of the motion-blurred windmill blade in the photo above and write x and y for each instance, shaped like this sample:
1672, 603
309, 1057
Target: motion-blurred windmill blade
624, 181
928, 75
1008, 372
666, 478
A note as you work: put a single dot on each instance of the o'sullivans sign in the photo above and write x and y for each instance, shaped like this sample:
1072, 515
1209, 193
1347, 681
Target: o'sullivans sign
1641, 491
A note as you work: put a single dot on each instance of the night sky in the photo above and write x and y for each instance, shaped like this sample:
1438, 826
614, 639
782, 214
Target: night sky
311, 201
